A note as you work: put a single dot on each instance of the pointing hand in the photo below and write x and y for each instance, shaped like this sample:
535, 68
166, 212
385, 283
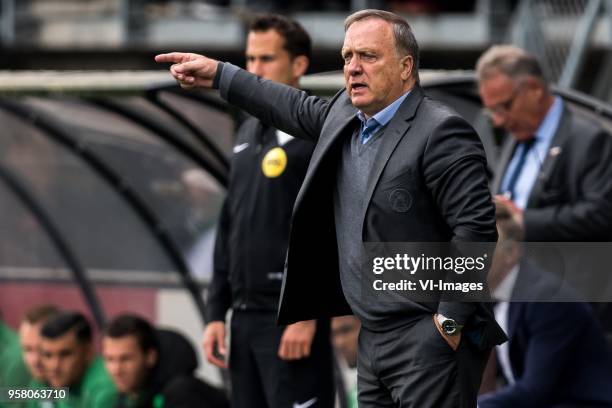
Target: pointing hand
190, 70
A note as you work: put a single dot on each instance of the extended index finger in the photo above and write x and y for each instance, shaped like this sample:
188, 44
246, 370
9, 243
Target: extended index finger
174, 57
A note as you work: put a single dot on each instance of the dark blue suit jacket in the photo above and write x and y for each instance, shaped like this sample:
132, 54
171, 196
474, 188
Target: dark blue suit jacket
558, 351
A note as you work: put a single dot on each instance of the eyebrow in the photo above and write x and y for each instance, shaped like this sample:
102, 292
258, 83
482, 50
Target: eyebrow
259, 55
358, 50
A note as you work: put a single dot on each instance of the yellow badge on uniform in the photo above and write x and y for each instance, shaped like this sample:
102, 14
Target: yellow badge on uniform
274, 162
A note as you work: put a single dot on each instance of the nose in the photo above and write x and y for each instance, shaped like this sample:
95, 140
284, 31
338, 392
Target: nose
51, 364
354, 66
256, 67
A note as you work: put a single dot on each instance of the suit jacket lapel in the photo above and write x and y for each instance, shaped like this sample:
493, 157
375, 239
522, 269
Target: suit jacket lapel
336, 126
554, 151
396, 129
527, 288
515, 308
521, 290
339, 119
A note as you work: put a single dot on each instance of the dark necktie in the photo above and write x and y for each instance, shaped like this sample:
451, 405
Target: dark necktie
527, 145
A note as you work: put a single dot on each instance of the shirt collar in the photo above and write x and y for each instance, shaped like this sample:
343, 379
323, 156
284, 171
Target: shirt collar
383, 117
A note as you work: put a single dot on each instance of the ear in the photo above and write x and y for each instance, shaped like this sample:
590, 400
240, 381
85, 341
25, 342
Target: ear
534, 85
299, 65
406, 66
151, 358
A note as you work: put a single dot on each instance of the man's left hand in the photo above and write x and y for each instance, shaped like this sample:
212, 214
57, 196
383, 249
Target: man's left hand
297, 339
453, 341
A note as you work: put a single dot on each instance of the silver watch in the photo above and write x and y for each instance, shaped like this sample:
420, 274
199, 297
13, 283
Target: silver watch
449, 326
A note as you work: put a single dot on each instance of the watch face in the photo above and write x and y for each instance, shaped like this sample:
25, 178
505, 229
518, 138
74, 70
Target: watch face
449, 326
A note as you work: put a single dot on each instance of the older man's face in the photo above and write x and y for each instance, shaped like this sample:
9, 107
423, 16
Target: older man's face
515, 106
374, 74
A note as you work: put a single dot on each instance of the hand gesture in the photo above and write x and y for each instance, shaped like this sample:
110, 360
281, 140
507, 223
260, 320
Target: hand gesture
190, 70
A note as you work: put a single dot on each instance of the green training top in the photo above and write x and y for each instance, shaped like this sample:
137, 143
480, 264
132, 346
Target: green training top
96, 390
13, 373
12, 369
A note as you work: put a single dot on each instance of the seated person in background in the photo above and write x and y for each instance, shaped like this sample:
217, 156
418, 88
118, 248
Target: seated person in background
30, 339
556, 355
345, 333
154, 368
69, 361
12, 370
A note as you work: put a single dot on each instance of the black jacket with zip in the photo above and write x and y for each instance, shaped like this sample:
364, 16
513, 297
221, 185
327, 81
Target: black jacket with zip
253, 230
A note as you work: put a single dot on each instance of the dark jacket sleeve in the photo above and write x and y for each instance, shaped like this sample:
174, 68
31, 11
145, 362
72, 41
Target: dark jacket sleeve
555, 331
455, 172
281, 106
219, 292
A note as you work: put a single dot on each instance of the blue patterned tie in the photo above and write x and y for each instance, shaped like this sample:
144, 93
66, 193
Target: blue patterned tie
368, 129
527, 145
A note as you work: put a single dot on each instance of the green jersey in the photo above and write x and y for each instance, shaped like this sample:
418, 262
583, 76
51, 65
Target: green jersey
95, 390
13, 373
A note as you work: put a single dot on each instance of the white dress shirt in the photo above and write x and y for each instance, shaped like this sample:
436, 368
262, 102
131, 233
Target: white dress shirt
502, 294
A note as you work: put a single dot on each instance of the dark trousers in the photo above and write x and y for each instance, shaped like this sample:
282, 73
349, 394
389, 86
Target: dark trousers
261, 379
413, 367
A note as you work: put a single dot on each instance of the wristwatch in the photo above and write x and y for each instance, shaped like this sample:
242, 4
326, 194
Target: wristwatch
449, 326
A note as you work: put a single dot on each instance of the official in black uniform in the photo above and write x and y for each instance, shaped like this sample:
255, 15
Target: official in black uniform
270, 366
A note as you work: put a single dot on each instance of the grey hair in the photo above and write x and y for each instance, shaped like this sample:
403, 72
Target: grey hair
405, 42
511, 61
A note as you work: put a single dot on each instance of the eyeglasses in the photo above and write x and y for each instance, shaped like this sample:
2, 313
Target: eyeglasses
505, 107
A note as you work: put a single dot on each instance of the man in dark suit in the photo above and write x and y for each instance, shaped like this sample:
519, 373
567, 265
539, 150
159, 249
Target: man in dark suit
554, 175
557, 354
390, 165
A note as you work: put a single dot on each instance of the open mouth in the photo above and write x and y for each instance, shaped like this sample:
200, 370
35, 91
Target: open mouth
357, 86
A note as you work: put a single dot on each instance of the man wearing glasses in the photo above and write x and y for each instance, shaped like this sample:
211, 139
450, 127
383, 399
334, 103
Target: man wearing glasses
554, 176
553, 179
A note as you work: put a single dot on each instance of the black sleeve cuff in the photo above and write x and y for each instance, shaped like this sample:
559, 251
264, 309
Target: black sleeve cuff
458, 311
217, 78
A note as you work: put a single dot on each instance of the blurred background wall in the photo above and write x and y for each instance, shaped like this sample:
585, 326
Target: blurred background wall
574, 37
